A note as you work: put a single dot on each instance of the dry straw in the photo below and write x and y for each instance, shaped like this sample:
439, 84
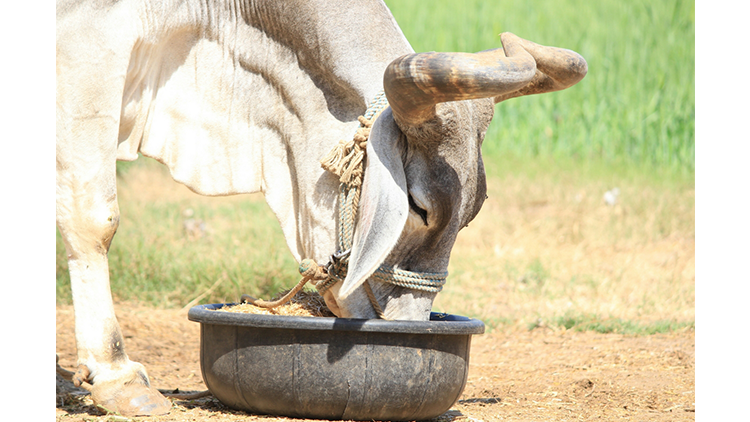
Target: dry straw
304, 303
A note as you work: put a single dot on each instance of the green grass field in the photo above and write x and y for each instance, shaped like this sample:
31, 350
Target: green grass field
636, 106
545, 249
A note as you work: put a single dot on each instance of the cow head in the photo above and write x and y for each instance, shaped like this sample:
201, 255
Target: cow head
424, 177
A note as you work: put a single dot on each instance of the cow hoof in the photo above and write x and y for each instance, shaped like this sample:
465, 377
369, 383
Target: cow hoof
130, 399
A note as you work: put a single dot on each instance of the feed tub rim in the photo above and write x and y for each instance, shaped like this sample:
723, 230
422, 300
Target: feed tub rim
440, 323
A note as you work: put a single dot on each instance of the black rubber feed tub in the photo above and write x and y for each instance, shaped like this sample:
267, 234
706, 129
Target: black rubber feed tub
335, 368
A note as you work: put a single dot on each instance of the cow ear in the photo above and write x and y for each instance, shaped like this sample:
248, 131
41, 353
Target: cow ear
383, 204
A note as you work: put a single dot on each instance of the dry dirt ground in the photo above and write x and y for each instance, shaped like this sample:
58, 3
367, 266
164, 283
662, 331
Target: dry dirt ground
515, 375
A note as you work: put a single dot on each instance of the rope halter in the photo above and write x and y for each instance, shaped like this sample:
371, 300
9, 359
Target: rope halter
346, 161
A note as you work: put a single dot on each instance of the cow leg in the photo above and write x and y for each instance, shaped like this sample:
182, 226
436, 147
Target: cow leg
87, 218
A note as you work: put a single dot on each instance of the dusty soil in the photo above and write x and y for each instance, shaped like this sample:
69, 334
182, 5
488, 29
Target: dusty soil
515, 375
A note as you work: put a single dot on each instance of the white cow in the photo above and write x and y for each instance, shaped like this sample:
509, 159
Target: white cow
246, 96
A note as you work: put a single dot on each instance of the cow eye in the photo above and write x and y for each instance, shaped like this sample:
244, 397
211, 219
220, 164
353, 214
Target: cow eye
420, 212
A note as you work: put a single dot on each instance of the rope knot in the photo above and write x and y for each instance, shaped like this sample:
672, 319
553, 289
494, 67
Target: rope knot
346, 159
310, 269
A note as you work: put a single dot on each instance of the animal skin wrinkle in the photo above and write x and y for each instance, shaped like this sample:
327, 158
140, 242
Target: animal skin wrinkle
274, 83
284, 153
269, 59
299, 34
138, 68
150, 68
97, 115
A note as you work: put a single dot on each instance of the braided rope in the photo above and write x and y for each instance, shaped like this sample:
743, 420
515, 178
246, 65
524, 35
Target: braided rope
430, 282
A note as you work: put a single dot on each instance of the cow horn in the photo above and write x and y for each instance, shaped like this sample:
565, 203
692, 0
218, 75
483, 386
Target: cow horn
415, 83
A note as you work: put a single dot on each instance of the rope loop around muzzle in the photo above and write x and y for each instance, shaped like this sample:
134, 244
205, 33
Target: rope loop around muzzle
428, 282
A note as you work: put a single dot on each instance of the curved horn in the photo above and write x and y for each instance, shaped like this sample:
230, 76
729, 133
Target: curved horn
415, 83
557, 68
